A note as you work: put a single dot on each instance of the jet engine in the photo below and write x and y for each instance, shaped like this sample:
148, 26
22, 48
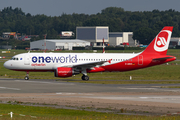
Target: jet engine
65, 72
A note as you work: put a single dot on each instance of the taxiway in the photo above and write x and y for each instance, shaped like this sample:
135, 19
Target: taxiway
142, 98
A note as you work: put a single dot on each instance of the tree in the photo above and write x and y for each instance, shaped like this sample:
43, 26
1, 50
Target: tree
144, 35
147, 23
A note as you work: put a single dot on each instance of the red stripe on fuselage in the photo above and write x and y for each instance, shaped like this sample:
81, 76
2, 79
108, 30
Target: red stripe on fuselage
30, 70
136, 63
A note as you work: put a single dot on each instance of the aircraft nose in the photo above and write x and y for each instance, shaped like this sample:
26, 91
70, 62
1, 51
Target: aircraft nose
7, 65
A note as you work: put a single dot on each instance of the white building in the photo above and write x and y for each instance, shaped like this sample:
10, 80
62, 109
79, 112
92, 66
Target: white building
120, 38
95, 35
174, 41
55, 44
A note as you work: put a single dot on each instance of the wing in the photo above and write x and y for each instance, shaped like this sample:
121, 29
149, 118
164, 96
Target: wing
84, 66
89, 65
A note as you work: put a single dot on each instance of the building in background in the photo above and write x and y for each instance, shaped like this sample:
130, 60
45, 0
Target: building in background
9, 47
121, 38
175, 41
18, 36
57, 44
8, 34
95, 35
67, 34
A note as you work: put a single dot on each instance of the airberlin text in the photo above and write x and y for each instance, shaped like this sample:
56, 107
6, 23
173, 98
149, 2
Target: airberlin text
60, 59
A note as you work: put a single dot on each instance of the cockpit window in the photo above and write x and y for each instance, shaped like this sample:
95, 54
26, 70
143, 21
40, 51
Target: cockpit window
13, 58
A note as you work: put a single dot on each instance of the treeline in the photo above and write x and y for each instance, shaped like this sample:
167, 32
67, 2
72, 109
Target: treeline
145, 25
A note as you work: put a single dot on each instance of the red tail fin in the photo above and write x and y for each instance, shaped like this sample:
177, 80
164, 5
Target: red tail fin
160, 43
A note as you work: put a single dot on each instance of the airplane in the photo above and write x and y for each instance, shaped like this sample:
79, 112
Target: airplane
69, 64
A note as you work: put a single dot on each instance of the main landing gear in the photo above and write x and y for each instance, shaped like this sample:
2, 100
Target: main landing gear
27, 76
84, 77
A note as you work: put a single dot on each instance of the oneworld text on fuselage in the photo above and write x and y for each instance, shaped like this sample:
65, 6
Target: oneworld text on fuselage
55, 59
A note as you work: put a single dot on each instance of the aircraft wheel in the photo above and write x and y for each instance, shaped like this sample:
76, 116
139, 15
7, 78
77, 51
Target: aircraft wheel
85, 77
26, 78
82, 77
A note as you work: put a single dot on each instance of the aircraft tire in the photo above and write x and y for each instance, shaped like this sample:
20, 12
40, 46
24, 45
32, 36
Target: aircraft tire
85, 77
26, 78
82, 77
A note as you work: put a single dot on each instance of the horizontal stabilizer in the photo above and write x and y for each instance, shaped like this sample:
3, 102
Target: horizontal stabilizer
164, 58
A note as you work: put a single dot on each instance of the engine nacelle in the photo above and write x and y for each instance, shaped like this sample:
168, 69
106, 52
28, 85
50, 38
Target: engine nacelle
64, 72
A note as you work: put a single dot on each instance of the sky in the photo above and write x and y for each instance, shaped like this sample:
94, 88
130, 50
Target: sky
58, 7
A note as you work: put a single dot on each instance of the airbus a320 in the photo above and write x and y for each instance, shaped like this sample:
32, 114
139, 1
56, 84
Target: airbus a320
69, 64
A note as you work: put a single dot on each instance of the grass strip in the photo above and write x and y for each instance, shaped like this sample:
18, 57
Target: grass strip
21, 112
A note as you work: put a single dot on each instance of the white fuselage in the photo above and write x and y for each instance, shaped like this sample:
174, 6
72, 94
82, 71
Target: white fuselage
50, 61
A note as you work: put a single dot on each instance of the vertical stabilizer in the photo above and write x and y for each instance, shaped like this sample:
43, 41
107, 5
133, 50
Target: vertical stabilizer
160, 43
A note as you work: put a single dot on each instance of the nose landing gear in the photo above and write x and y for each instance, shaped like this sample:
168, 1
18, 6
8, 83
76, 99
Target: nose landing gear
27, 76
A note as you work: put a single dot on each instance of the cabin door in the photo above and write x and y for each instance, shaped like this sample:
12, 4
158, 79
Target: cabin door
140, 60
27, 60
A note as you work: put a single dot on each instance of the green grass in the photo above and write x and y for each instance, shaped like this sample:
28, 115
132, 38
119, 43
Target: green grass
47, 113
170, 86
